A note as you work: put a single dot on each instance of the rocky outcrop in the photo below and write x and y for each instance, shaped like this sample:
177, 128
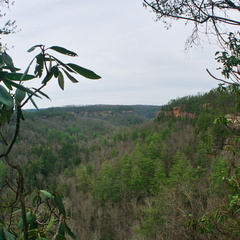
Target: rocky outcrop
233, 120
127, 112
176, 112
207, 106
104, 113
97, 113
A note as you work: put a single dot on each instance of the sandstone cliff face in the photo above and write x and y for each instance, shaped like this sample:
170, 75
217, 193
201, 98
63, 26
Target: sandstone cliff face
96, 113
104, 113
176, 112
233, 120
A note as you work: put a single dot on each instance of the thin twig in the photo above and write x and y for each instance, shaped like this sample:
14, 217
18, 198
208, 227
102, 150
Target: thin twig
4, 139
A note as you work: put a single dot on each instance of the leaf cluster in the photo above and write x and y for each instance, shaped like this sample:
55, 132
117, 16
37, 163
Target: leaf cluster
12, 90
46, 219
231, 59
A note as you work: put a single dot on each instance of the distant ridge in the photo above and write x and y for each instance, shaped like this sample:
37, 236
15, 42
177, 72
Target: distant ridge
146, 111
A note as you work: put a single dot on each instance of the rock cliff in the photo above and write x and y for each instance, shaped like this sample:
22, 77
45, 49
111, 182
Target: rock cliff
176, 112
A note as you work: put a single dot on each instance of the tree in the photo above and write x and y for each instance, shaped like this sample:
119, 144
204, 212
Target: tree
9, 26
44, 216
230, 59
211, 14
215, 16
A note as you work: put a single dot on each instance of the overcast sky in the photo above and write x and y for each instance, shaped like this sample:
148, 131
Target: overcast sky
139, 60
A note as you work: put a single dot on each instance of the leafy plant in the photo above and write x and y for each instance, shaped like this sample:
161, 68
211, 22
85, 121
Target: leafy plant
41, 214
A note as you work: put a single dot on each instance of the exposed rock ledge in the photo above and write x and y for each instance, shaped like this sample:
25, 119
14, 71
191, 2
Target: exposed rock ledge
176, 112
233, 120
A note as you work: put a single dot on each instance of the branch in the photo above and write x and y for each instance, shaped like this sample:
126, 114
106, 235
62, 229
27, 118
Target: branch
30, 96
3, 138
221, 80
193, 18
14, 138
20, 188
59, 225
22, 200
232, 5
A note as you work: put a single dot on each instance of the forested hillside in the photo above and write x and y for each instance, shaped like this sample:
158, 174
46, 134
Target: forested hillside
124, 175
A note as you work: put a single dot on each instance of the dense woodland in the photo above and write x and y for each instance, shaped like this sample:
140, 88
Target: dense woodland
138, 172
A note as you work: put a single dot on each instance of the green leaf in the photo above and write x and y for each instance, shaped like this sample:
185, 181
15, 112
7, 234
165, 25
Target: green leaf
32, 233
63, 51
50, 62
9, 113
46, 194
8, 61
27, 69
5, 97
2, 73
59, 203
42, 93
33, 48
69, 232
35, 200
18, 76
74, 80
21, 237
62, 229
60, 237
33, 102
17, 211
13, 69
8, 234
6, 114
8, 85
49, 226
19, 86
83, 71
56, 72
1, 60
39, 67
27, 193
28, 218
19, 96
61, 80
1, 222
63, 64
21, 114
2, 237
49, 75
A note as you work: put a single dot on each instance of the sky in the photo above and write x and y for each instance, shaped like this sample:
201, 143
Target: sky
138, 59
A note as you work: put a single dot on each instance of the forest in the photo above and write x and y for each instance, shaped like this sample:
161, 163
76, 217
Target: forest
137, 172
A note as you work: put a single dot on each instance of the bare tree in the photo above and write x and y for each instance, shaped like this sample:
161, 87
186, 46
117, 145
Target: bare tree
214, 15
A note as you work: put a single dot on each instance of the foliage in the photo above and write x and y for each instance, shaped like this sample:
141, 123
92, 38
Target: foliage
230, 59
215, 16
46, 217
224, 221
143, 181
175, 178
10, 25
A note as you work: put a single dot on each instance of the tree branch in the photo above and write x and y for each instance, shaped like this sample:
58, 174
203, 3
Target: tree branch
18, 108
221, 80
